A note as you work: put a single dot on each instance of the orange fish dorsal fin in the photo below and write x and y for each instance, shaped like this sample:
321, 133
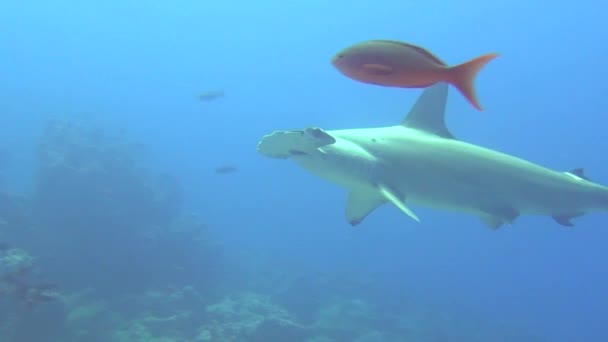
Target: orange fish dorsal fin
416, 48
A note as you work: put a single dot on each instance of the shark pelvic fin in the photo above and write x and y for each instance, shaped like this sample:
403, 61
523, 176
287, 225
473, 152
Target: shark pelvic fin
492, 222
361, 203
392, 197
428, 113
566, 220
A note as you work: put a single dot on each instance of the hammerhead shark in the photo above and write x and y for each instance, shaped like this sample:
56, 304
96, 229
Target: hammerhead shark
419, 162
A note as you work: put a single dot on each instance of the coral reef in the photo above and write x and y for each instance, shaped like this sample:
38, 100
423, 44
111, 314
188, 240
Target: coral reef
18, 281
97, 220
182, 315
23, 294
250, 317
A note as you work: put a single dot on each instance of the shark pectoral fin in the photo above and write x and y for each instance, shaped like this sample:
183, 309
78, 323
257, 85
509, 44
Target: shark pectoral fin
398, 202
566, 219
492, 222
360, 204
496, 217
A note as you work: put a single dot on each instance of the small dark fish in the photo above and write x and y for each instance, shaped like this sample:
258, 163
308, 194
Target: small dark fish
226, 169
211, 95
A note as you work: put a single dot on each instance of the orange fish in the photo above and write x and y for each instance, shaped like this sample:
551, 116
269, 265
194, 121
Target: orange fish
397, 64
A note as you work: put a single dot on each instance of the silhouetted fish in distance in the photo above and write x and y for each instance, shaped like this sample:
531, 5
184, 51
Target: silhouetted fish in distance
226, 169
211, 95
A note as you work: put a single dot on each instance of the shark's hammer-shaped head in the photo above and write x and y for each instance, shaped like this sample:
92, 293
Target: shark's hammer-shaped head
327, 154
294, 143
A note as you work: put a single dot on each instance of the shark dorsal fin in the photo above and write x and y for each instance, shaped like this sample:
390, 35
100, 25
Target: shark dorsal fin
580, 172
429, 110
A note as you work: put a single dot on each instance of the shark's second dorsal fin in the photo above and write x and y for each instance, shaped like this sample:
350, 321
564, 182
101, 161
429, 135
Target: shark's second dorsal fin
429, 110
580, 172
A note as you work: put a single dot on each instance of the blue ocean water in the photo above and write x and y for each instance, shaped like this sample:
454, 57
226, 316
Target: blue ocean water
135, 69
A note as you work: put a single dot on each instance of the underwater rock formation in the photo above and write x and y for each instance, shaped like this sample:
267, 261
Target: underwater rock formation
18, 282
100, 220
15, 214
81, 169
26, 297
112, 223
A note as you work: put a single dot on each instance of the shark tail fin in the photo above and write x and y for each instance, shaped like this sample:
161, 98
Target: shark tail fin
463, 77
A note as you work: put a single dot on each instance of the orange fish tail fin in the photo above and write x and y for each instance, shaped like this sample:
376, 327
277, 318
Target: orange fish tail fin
463, 77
